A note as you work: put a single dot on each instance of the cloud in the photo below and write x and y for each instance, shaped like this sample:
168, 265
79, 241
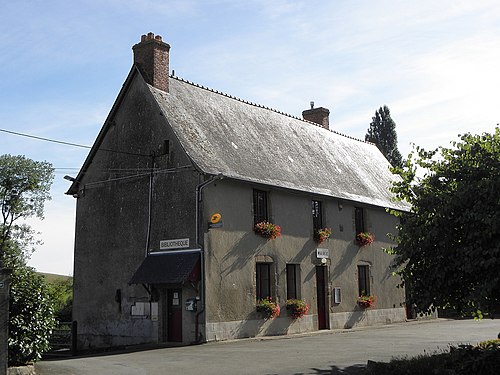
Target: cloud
433, 63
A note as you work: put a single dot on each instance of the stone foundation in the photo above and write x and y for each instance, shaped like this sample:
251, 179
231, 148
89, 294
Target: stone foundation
285, 326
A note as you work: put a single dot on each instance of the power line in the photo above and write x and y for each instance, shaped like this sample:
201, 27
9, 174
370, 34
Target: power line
44, 139
68, 143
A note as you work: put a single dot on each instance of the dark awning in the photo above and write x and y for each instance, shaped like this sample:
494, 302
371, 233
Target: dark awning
168, 268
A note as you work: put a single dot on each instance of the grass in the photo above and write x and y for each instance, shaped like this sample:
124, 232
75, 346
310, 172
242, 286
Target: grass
52, 277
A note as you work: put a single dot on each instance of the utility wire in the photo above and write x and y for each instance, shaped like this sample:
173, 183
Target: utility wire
171, 170
67, 143
44, 139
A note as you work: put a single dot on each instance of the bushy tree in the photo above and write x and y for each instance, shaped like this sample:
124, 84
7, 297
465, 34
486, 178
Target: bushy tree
31, 316
24, 188
448, 250
61, 291
382, 132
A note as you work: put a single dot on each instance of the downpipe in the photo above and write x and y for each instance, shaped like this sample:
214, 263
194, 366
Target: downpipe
199, 199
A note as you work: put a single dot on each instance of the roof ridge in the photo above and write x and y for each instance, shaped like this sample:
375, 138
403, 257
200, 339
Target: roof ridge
264, 107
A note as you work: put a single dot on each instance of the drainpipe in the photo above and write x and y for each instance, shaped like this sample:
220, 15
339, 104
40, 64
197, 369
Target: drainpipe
150, 203
199, 198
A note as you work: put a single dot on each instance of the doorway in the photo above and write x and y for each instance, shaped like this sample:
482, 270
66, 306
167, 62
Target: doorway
174, 315
322, 297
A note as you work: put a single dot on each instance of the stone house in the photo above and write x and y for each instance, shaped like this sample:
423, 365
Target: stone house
167, 204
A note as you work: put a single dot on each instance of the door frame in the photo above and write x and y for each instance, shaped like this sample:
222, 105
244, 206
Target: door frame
322, 297
172, 331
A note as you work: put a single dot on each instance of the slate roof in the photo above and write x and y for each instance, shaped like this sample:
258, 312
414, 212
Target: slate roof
241, 140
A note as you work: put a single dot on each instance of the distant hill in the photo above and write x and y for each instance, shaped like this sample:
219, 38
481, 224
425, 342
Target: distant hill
52, 277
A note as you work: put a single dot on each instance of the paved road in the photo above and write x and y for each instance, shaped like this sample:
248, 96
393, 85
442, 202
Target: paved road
330, 352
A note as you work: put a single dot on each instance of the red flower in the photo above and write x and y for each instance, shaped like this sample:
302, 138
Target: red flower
267, 229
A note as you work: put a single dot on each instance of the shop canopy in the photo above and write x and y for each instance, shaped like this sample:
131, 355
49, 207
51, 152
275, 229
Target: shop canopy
168, 268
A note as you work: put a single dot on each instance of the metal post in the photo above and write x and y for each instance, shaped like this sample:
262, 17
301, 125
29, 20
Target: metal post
74, 331
4, 318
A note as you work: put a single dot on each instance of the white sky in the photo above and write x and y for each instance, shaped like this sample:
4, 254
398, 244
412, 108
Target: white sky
434, 63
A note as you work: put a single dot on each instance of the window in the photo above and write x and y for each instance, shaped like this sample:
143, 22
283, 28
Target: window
359, 219
293, 281
259, 206
364, 280
317, 215
263, 279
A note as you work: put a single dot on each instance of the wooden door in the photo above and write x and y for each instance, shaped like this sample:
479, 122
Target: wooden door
174, 312
322, 297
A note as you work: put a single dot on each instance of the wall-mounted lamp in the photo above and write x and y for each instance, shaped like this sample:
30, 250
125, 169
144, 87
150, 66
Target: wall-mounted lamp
69, 178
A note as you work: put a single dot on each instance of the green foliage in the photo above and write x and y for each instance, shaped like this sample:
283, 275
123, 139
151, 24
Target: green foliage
24, 188
465, 360
382, 132
321, 235
31, 316
365, 238
61, 291
490, 344
268, 308
268, 230
448, 250
297, 307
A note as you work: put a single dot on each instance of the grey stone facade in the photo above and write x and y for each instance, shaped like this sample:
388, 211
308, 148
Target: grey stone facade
172, 156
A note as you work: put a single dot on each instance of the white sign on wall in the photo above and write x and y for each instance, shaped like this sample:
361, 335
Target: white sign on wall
322, 253
181, 243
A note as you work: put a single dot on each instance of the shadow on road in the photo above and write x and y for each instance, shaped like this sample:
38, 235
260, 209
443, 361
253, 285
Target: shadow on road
334, 370
351, 370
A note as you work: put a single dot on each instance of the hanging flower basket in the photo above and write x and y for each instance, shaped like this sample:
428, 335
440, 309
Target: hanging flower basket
268, 308
268, 230
321, 235
365, 238
366, 302
297, 308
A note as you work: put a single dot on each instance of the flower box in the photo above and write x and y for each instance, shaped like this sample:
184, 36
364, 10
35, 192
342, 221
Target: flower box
267, 229
268, 308
321, 235
366, 302
365, 238
297, 308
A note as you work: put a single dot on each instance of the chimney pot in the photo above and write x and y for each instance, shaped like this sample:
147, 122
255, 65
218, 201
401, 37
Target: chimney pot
151, 56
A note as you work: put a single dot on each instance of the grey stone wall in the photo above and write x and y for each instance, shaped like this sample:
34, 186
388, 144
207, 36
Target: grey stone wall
233, 249
113, 217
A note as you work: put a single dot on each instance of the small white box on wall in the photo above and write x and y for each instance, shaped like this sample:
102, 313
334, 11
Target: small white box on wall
154, 311
337, 295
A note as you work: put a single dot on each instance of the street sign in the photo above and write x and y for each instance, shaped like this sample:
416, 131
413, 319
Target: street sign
322, 253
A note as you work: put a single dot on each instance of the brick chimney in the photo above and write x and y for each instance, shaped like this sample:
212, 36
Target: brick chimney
151, 57
317, 115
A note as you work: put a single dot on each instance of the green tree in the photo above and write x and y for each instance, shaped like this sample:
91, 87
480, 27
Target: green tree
62, 296
31, 316
382, 132
448, 248
24, 188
